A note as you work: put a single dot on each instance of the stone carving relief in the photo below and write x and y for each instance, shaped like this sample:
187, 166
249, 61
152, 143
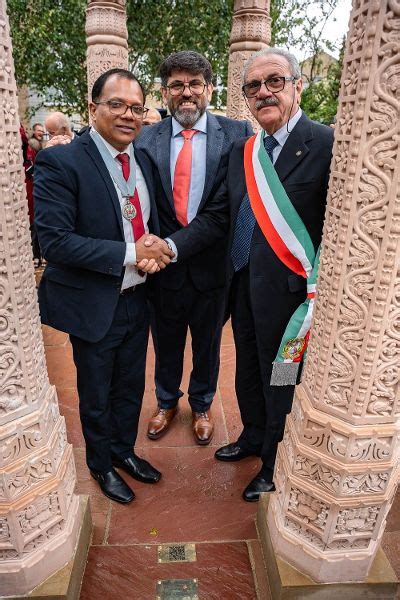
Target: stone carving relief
251, 31
33, 449
338, 483
307, 509
331, 439
362, 203
106, 39
339, 457
30, 434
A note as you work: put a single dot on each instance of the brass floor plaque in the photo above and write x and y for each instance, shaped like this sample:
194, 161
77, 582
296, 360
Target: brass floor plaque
177, 589
176, 553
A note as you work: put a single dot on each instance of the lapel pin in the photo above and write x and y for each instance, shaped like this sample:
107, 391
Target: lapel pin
298, 152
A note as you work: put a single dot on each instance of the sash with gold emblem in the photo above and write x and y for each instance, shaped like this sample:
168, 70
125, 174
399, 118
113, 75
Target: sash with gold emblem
291, 242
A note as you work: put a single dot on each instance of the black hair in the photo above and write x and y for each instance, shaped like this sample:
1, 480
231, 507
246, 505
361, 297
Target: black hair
99, 84
186, 60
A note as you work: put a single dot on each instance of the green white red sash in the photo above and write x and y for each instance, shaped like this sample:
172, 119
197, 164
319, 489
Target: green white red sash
291, 242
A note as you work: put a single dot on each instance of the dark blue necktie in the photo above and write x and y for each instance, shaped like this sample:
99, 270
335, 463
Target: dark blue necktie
246, 220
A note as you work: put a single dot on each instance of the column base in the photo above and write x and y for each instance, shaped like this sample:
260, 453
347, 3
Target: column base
287, 583
65, 584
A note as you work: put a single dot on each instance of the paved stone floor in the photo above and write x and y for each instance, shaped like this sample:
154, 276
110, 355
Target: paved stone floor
197, 501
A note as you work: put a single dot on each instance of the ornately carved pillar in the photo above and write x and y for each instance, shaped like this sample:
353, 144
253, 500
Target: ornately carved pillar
251, 31
106, 38
39, 513
338, 465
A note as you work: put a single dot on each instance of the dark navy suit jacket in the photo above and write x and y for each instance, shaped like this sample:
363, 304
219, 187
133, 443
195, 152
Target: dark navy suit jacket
79, 224
202, 244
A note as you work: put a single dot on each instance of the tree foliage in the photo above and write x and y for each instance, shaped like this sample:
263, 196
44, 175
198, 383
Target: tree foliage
320, 98
158, 28
49, 49
49, 43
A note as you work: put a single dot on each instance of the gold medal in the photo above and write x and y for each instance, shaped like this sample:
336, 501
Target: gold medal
293, 348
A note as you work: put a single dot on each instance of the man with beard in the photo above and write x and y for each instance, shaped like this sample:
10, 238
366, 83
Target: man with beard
277, 184
189, 151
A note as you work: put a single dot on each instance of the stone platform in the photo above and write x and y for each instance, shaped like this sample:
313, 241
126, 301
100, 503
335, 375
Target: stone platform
198, 501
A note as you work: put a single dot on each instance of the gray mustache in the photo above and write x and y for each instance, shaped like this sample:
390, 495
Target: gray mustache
266, 102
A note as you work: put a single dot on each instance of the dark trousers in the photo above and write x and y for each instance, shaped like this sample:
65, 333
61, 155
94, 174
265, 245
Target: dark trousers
35, 243
263, 407
111, 380
173, 313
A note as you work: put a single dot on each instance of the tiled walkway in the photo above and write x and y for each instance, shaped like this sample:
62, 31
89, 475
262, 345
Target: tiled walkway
197, 501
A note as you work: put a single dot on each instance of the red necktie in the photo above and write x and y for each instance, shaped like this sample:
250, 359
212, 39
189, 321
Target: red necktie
137, 221
183, 169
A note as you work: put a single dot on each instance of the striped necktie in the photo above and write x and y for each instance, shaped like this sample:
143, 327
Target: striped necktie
246, 220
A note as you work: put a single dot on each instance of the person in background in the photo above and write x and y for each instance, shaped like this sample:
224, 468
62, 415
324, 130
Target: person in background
59, 129
38, 135
153, 116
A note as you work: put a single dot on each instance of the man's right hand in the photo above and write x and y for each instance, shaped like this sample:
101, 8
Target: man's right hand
152, 247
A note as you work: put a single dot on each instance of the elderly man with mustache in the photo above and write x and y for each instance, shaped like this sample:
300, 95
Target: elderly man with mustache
189, 151
276, 184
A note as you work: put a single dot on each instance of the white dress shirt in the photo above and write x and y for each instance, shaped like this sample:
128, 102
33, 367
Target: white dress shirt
282, 134
198, 170
131, 276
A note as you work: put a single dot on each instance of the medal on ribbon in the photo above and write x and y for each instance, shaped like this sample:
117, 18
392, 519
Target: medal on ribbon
128, 210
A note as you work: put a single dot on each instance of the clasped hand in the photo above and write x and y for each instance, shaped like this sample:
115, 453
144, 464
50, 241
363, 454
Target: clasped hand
152, 253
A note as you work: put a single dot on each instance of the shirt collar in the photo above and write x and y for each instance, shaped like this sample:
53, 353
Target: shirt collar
282, 134
201, 125
113, 151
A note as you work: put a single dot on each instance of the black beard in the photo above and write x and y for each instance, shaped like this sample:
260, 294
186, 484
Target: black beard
186, 117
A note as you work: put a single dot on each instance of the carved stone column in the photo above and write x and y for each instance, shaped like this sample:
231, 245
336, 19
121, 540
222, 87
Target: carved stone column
40, 515
338, 465
251, 31
106, 38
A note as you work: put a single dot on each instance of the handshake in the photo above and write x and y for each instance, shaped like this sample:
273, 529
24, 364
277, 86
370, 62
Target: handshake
152, 254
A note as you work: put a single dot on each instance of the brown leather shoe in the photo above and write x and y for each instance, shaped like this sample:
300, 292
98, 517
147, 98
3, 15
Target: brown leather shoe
160, 422
203, 427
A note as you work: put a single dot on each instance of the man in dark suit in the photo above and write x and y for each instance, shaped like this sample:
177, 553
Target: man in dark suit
264, 290
189, 151
94, 207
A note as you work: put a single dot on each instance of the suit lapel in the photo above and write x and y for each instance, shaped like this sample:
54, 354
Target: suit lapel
95, 155
163, 155
295, 148
215, 139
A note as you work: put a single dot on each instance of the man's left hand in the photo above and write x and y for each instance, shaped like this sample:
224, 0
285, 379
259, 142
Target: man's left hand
58, 140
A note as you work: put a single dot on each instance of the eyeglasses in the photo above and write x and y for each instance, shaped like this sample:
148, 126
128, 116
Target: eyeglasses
273, 84
119, 108
195, 86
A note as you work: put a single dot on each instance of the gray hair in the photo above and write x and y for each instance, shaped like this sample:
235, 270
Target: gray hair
294, 66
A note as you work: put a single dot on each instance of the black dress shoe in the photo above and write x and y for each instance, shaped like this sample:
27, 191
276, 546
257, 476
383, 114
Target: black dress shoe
255, 487
138, 468
232, 452
113, 486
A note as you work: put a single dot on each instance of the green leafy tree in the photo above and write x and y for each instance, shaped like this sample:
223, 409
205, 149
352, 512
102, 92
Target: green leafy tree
49, 50
158, 28
49, 43
320, 98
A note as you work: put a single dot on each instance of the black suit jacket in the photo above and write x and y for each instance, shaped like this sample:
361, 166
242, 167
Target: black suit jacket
303, 168
79, 224
202, 244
